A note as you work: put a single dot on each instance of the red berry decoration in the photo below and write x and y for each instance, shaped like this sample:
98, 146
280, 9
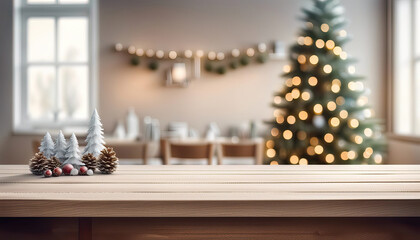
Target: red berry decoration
48, 173
83, 170
57, 172
67, 169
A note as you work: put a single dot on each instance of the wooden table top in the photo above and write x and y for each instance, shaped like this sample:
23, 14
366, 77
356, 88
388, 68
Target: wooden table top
215, 191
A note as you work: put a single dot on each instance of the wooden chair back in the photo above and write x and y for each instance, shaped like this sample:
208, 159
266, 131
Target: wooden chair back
240, 150
187, 150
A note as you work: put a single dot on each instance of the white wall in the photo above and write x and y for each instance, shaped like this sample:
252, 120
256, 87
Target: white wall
197, 24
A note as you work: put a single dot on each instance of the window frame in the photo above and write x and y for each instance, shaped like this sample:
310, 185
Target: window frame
391, 72
22, 12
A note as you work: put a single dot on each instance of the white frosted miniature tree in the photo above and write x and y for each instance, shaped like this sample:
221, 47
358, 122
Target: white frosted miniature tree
95, 139
60, 147
73, 153
47, 146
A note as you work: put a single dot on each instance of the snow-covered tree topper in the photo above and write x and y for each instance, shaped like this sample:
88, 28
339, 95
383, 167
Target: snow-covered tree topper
73, 153
60, 147
47, 146
95, 139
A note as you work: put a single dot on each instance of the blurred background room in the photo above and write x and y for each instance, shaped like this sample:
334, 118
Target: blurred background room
197, 82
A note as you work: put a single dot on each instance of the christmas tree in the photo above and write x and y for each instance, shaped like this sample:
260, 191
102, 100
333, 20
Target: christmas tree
47, 146
321, 114
73, 153
95, 139
60, 147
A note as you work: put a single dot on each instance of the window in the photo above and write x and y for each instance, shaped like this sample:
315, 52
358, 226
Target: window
406, 79
54, 63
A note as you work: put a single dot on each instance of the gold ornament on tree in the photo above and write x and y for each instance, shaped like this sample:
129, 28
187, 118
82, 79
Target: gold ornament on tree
38, 164
90, 161
107, 161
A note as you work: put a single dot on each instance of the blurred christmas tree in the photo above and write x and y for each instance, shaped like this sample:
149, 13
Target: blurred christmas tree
322, 114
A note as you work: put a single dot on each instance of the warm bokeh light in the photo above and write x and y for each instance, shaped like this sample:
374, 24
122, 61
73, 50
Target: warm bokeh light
269, 144
274, 132
308, 41
310, 150
306, 95
296, 81
313, 81
343, 55
277, 100
325, 27
344, 114
368, 132
351, 154
327, 68
344, 155
280, 119
353, 123
314, 59
331, 105
274, 163
287, 68
340, 100
337, 50
334, 122
330, 44
271, 153
301, 59
329, 158
301, 135
328, 138
303, 161
358, 139
377, 158
314, 141
318, 108
287, 134
301, 40
303, 115
291, 119
288, 97
294, 159
295, 93
319, 43
319, 149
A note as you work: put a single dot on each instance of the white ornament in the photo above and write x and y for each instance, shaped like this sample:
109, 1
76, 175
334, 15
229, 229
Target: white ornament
89, 172
74, 172
95, 139
73, 153
60, 147
47, 146
318, 121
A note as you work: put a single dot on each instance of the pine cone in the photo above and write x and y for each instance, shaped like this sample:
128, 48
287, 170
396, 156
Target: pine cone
90, 161
53, 162
38, 164
107, 161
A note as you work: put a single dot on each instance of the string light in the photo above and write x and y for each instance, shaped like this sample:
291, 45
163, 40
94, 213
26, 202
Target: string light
289, 82
353, 123
295, 93
296, 81
199, 53
118, 47
358, 139
335, 86
325, 27
131, 50
351, 154
159, 54
305, 96
250, 52
308, 41
140, 52
286, 68
280, 119
319, 43
301, 40
288, 97
303, 115
327, 68
150, 52
274, 132
343, 55
271, 153
277, 99
188, 53
351, 69
301, 59
310, 150
368, 152
211, 56
277, 113
337, 50
329, 158
287, 134
361, 101
313, 81
235, 52
342, 33
220, 56
314, 141
303, 161
340, 100
172, 54
377, 158
331, 106
274, 163
318, 108
330, 44
328, 138
344, 155
368, 132
344, 114
262, 47
294, 159
334, 121
291, 119
318, 149
314, 59
269, 144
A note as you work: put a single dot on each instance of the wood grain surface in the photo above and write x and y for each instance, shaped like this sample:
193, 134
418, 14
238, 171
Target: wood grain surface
215, 191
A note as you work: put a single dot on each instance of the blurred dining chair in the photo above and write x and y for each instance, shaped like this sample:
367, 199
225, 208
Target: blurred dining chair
241, 149
187, 150
130, 150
